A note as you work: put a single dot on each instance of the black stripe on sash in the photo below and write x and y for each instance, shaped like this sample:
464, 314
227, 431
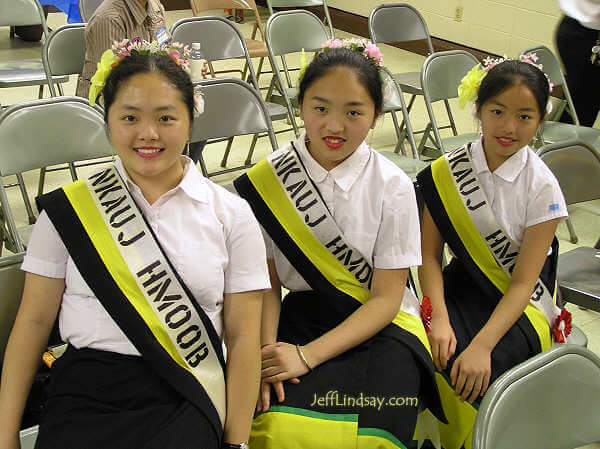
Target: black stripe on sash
344, 304
92, 268
427, 187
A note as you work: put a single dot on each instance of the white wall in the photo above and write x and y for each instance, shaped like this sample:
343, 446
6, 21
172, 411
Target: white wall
503, 27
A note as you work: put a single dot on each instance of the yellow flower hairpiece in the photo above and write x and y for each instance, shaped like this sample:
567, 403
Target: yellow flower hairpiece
105, 66
469, 85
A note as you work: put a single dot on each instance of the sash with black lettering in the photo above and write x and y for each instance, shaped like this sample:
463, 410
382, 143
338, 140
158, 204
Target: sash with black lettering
464, 217
290, 208
120, 259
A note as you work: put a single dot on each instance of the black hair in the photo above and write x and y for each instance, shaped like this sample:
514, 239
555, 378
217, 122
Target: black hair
136, 64
512, 72
366, 71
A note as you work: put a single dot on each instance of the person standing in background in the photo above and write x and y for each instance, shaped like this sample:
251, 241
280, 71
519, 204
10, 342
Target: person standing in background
576, 35
115, 20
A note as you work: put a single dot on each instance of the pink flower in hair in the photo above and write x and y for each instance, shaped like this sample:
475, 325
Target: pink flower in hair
334, 43
174, 55
373, 51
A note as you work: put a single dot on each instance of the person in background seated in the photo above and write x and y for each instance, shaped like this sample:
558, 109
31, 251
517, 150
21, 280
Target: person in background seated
345, 356
115, 20
496, 204
149, 266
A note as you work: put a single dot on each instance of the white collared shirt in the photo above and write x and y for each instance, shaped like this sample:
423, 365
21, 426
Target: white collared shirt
522, 192
209, 234
373, 203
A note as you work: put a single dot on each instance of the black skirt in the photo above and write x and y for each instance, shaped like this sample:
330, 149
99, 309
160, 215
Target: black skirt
105, 400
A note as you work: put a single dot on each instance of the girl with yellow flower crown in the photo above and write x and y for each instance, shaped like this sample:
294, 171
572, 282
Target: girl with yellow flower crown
496, 205
148, 265
345, 356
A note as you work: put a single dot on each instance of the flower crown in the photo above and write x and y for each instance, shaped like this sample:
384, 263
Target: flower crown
469, 85
120, 50
361, 46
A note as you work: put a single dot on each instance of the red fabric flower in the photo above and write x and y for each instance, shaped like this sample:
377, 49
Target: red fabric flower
562, 326
426, 312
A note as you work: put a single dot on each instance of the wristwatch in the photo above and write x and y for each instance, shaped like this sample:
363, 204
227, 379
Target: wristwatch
235, 446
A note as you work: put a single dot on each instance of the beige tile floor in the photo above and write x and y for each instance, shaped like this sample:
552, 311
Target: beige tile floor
585, 216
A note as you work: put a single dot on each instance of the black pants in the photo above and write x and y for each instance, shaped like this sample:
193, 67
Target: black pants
574, 43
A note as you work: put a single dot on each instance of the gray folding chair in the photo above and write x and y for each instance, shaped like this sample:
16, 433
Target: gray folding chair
87, 8
553, 132
291, 32
302, 4
548, 402
232, 107
397, 23
67, 129
578, 269
28, 72
222, 40
572, 161
441, 75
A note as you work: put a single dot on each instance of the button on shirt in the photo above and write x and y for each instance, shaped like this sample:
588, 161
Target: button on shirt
115, 20
210, 236
373, 203
522, 192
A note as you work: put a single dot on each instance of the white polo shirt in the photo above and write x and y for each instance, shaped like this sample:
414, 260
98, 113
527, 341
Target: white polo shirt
373, 203
209, 234
522, 192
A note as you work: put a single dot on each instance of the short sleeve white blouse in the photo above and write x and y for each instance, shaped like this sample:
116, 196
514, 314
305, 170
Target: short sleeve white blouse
373, 203
210, 236
522, 192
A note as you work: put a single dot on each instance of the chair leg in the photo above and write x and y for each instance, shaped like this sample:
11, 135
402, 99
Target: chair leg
28, 207
72, 170
408, 108
399, 145
41, 91
227, 150
248, 160
423, 140
41, 180
573, 236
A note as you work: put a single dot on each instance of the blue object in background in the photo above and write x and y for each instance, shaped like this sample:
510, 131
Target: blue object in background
69, 7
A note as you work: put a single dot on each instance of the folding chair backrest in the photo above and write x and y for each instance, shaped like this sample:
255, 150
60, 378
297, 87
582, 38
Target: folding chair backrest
206, 5
231, 108
63, 53
219, 37
11, 289
302, 4
87, 8
22, 12
571, 162
442, 73
50, 131
398, 22
292, 31
548, 402
551, 67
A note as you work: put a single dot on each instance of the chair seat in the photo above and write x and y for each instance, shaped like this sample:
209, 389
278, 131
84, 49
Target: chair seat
558, 132
579, 277
410, 82
577, 337
276, 111
256, 48
454, 142
25, 73
408, 165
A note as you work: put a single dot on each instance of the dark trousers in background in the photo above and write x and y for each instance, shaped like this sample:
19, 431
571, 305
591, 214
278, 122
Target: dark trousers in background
574, 43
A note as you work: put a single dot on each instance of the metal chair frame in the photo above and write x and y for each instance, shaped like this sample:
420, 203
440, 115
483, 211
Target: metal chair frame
434, 90
87, 8
211, 125
302, 4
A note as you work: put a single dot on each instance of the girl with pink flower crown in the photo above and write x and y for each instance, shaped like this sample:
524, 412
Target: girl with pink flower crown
345, 357
496, 205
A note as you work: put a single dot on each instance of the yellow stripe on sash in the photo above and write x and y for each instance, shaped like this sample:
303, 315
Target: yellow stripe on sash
461, 418
267, 185
414, 325
82, 202
476, 246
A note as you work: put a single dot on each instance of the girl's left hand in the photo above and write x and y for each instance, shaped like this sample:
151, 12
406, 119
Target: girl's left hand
281, 361
471, 372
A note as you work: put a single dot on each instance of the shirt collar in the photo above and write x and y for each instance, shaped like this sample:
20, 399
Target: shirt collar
138, 11
508, 171
193, 184
344, 174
